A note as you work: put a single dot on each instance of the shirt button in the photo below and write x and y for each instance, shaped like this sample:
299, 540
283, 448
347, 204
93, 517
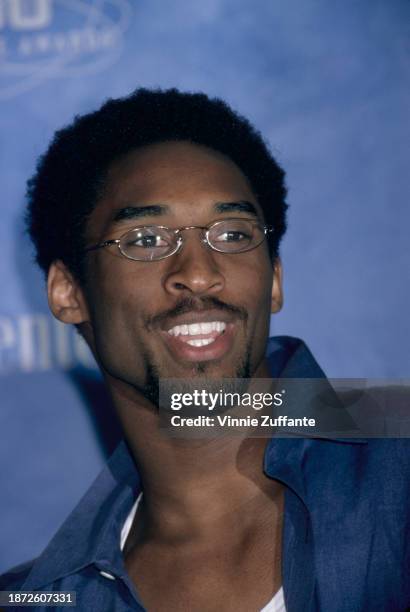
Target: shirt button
107, 575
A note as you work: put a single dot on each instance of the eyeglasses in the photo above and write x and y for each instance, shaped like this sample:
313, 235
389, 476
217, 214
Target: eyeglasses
155, 242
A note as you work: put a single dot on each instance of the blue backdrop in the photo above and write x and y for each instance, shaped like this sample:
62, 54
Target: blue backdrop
328, 85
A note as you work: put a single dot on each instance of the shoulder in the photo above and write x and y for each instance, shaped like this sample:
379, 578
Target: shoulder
388, 452
374, 473
15, 577
368, 454
389, 460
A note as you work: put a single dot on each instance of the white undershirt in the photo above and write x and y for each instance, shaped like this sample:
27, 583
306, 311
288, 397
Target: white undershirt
276, 604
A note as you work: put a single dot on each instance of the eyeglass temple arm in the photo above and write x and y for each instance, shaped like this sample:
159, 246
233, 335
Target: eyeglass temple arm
101, 245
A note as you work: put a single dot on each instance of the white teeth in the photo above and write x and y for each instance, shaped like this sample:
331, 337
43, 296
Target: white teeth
202, 342
197, 329
206, 328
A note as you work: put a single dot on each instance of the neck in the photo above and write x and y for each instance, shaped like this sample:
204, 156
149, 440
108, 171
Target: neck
185, 476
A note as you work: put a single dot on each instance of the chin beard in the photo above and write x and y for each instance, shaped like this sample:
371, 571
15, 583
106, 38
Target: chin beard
151, 389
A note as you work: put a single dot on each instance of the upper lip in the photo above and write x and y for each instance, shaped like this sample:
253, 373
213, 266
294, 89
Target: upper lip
202, 316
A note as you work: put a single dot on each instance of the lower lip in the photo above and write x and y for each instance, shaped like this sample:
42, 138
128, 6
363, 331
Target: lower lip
216, 350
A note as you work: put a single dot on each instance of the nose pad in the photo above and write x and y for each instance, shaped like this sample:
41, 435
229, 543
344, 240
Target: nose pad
194, 269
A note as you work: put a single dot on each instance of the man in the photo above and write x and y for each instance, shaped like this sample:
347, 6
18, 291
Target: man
157, 220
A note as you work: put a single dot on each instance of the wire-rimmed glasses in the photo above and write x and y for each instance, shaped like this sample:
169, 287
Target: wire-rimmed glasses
156, 242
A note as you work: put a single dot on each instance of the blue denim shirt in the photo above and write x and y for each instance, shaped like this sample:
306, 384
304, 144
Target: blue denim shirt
346, 534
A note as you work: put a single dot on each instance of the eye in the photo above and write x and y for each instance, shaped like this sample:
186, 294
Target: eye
147, 242
145, 239
232, 236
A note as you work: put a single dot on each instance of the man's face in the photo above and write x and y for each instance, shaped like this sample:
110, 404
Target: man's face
140, 312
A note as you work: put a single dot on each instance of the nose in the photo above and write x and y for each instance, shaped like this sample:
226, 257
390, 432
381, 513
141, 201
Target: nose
193, 269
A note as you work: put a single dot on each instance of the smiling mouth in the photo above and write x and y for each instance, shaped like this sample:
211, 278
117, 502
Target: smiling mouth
200, 340
198, 334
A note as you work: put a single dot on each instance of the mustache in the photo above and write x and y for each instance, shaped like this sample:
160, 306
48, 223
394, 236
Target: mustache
190, 304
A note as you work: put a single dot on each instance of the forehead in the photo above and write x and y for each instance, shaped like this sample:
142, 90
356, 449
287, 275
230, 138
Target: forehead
174, 166
189, 179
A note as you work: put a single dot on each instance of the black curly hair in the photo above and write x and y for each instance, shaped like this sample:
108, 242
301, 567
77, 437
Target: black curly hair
69, 179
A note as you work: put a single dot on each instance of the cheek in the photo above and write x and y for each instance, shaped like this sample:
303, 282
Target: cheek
253, 278
119, 285
117, 300
257, 281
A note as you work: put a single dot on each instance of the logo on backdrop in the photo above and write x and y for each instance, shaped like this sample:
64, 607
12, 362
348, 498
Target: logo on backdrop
44, 39
36, 342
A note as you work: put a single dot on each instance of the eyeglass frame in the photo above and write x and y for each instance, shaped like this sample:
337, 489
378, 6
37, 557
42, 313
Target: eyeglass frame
267, 229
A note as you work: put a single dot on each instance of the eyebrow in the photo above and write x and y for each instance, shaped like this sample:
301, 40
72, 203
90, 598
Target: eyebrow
135, 212
241, 206
157, 210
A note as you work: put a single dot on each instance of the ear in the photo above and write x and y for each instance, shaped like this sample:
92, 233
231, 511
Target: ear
277, 294
65, 296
